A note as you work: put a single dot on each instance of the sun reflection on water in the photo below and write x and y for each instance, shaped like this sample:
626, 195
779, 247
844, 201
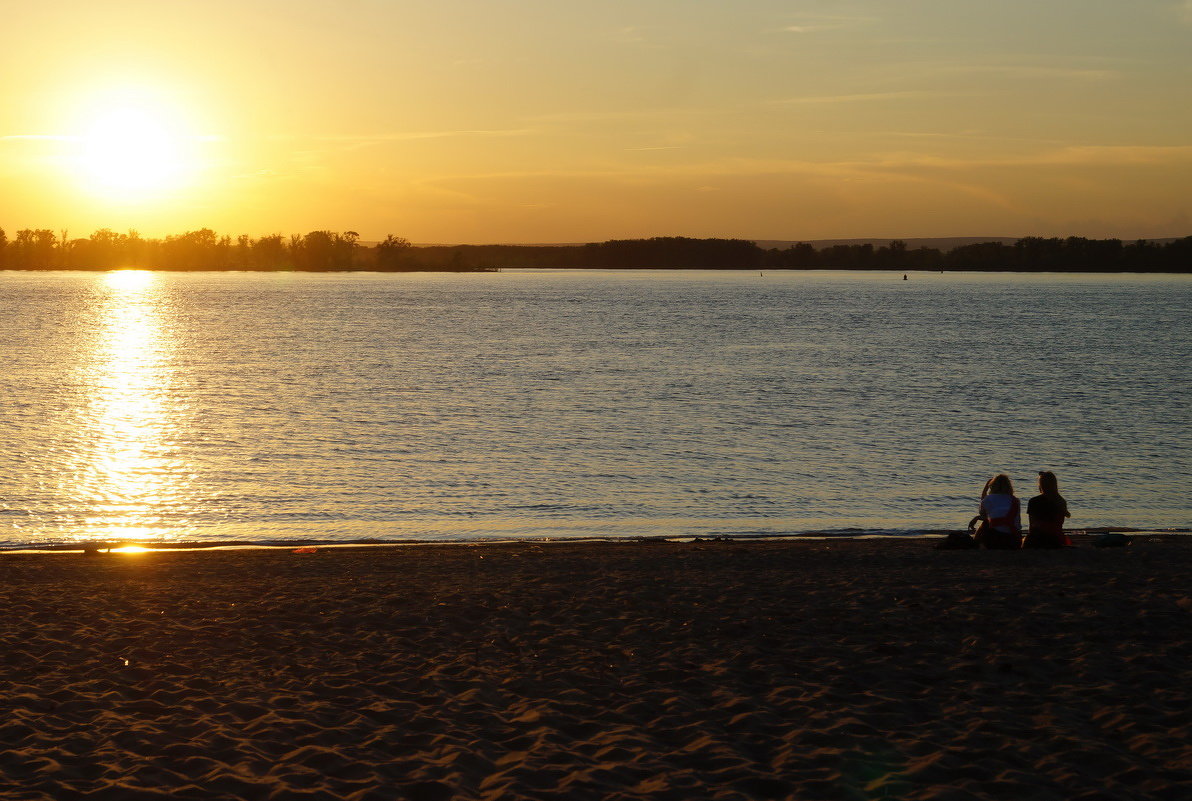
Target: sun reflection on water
130, 549
130, 476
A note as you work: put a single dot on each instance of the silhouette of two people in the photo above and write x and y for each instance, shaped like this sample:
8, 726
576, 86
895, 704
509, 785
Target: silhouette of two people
999, 519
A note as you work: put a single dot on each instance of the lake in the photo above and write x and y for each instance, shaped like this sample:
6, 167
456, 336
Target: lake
339, 407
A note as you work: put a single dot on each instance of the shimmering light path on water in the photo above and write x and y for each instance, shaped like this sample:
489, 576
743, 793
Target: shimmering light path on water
216, 406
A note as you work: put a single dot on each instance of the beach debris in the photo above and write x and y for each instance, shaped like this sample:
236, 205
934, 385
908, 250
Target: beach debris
306, 549
957, 540
1111, 539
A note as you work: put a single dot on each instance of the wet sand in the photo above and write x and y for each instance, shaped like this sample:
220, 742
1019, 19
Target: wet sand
801, 670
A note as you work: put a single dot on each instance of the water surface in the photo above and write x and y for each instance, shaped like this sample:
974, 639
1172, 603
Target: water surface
217, 406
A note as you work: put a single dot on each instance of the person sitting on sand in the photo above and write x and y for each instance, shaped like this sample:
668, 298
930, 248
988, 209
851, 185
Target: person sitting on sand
1047, 512
1000, 514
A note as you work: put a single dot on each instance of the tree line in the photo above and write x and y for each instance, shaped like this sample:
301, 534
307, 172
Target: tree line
43, 249
1032, 253
203, 249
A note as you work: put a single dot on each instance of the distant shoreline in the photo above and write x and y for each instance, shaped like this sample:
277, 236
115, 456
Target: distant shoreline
330, 251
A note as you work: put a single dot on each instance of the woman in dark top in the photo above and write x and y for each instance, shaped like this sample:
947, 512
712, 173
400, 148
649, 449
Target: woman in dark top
1047, 512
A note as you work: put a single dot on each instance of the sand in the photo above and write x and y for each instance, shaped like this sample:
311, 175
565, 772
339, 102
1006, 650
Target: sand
801, 670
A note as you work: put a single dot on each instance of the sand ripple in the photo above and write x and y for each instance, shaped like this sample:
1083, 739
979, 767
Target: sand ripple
639, 671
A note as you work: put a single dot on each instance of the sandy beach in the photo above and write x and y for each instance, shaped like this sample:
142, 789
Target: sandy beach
781, 670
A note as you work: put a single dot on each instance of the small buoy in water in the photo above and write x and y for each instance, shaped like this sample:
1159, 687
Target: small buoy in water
904, 276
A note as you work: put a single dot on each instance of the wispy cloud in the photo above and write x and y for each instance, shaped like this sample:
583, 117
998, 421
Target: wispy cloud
815, 23
630, 34
880, 166
1069, 156
319, 145
1036, 68
1108, 155
1032, 71
409, 136
867, 97
630, 115
987, 181
969, 135
1073, 156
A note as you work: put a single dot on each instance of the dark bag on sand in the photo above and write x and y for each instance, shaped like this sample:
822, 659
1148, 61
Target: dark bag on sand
1111, 539
994, 540
956, 541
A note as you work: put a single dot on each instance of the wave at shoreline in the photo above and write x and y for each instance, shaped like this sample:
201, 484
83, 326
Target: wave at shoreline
141, 545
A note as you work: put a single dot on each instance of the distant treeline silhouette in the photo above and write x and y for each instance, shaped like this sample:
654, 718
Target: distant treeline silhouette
1032, 253
43, 249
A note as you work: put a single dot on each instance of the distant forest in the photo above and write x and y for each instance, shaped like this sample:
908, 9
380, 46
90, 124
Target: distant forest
43, 249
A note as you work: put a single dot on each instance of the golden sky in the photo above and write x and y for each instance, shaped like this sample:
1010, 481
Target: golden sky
535, 121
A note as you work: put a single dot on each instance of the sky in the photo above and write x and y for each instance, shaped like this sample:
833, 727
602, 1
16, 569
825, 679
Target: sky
479, 121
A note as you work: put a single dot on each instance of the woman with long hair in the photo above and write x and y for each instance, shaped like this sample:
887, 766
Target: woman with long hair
1047, 512
1000, 514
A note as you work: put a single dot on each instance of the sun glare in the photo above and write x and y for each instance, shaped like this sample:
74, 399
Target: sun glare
131, 477
128, 279
130, 549
133, 152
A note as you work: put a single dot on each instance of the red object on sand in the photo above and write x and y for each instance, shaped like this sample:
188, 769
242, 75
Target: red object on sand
307, 549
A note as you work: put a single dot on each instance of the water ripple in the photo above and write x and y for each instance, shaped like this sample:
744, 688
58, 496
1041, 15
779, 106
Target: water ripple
238, 406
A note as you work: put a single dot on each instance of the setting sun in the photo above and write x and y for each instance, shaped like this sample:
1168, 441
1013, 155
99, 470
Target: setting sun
130, 152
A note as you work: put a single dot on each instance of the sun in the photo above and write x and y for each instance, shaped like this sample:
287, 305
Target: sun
134, 152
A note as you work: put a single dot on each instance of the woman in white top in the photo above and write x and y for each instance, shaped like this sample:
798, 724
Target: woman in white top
1001, 515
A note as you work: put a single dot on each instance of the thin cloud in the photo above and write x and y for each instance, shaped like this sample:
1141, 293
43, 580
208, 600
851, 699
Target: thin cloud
319, 146
854, 98
1036, 71
815, 23
410, 136
885, 166
808, 28
630, 34
1122, 155
1036, 68
563, 118
964, 176
1076, 155
836, 173
963, 135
